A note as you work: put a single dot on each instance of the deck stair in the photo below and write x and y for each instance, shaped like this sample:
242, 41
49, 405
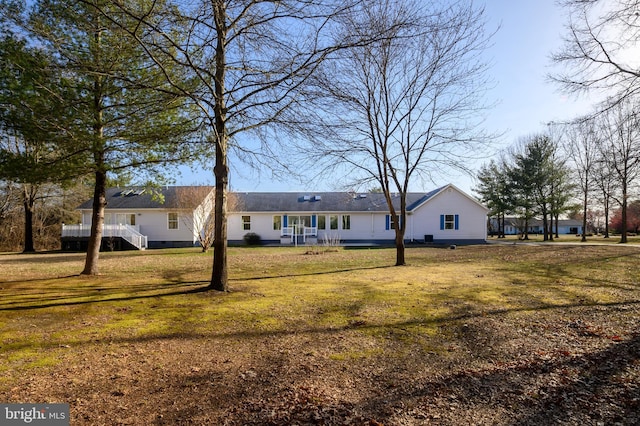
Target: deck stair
127, 232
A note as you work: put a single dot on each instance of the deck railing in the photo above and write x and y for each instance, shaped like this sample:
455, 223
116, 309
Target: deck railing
126, 232
296, 231
287, 231
309, 231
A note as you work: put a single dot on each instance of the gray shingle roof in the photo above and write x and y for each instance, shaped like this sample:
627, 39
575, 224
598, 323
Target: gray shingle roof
135, 198
141, 198
320, 201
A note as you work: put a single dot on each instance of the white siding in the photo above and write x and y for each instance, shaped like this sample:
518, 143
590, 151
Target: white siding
472, 218
261, 224
153, 223
425, 220
364, 226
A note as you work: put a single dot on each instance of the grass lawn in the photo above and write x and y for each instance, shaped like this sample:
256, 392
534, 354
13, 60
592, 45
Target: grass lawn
496, 334
570, 238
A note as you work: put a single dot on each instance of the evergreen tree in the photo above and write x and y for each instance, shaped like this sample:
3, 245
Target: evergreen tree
494, 192
29, 156
121, 117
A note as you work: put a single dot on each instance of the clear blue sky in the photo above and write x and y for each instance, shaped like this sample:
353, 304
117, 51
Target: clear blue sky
520, 56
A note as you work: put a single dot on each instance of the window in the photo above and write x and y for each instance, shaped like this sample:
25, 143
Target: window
449, 221
333, 221
346, 221
322, 222
246, 223
277, 223
126, 219
172, 220
390, 223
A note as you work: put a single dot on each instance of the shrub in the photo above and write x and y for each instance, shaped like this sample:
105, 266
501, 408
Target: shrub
252, 239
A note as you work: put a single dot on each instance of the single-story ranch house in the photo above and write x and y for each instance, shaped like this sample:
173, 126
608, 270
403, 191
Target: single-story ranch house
445, 215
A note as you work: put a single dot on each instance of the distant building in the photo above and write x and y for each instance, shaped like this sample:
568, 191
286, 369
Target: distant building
515, 226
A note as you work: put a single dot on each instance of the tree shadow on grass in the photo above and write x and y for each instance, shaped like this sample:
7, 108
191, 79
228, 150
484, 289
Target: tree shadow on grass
320, 332
307, 274
93, 295
66, 294
41, 257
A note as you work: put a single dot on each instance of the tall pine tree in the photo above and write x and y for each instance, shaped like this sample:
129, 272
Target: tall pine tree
29, 156
121, 117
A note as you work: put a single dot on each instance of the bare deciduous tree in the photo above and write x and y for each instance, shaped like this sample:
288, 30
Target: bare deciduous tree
605, 185
402, 108
198, 204
581, 146
243, 63
53, 204
621, 149
600, 49
10, 216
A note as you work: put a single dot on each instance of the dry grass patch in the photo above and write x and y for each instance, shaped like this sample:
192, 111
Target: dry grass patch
491, 334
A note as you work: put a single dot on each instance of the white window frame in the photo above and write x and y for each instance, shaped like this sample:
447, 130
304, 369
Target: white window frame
175, 222
449, 222
346, 220
246, 223
129, 219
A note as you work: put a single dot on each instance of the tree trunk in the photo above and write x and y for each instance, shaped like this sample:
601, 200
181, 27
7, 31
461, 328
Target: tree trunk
605, 205
100, 185
585, 204
97, 220
623, 236
28, 202
219, 275
400, 260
